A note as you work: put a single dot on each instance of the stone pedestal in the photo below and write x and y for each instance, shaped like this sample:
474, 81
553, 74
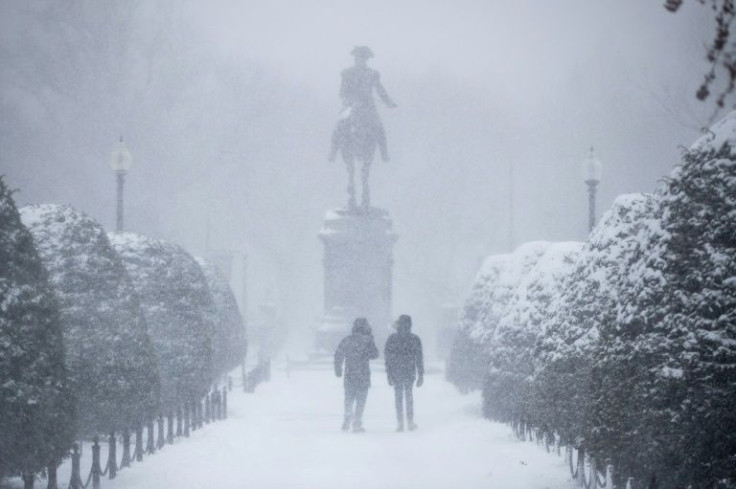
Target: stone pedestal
358, 274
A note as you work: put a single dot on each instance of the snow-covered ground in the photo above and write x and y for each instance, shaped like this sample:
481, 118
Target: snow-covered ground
287, 435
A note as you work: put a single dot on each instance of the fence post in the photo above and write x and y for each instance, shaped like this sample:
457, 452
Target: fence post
96, 469
593, 472
224, 404
112, 461
170, 426
51, 476
74, 483
150, 445
28, 480
630, 483
139, 443
193, 412
216, 405
581, 466
161, 441
186, 419
200, 415
207, 408
178, 421
609, 475
126, 449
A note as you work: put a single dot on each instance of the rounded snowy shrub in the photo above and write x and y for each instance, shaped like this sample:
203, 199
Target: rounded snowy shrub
468, 362
585, 308
675, 335
109, 353
177, 306
530, 284
228, 339
36, 402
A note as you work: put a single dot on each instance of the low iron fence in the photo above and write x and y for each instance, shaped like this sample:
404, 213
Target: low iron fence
586, 470
149, 438
260, 373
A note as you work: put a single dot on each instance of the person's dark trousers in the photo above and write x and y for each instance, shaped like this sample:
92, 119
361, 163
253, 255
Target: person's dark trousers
358, 397
403, 390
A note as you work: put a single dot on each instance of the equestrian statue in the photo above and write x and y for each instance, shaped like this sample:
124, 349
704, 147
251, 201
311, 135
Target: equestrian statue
359, 129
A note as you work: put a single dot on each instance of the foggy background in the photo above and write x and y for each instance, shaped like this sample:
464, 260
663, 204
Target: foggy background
228, 107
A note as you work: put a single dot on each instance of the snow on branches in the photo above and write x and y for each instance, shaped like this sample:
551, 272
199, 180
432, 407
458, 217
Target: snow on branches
109, 354
178, 308
629, 350
228, 341
36, 401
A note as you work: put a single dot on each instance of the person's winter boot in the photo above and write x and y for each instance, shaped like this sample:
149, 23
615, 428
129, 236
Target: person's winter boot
412, 426
358, 428
400, 428
346, 424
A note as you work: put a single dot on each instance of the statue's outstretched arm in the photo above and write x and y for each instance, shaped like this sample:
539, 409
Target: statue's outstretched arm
382, 93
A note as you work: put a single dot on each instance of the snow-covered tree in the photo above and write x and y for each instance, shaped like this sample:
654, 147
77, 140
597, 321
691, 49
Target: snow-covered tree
676, 329
468, 363
636, 358
109, 353
177, 304
531, 282
36, 401
228, 340
586, 305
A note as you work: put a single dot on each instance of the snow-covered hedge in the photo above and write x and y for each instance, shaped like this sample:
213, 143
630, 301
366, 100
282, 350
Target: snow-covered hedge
109, 354
670, 356
531, 282
587, 302
178, 308
636, 362
467, 365
36, 401
228, 341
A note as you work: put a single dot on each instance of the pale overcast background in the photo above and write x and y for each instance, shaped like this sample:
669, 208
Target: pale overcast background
228, 107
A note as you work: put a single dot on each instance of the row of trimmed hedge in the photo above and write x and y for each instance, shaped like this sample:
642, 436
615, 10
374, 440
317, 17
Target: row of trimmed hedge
100, 333
626, 346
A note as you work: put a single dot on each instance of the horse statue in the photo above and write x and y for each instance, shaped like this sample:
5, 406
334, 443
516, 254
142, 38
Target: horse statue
359, 130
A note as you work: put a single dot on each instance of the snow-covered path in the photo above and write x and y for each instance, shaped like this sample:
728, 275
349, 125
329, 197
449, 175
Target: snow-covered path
287, 435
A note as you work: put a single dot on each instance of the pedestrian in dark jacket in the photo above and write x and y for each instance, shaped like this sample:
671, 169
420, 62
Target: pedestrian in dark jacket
404, 365
355, 351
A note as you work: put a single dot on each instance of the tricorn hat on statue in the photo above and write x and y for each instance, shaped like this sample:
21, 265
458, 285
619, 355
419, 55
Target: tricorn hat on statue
362, 52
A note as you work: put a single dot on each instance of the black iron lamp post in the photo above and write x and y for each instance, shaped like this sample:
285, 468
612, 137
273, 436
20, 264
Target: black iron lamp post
120, 160
592, 175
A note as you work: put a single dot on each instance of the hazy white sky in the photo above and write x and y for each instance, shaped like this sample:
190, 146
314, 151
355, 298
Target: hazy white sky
228, 107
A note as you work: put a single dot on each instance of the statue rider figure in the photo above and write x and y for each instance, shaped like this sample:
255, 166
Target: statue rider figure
356, 91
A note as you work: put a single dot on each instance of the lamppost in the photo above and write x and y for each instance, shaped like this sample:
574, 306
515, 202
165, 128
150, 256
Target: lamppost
592, 175
120, 160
